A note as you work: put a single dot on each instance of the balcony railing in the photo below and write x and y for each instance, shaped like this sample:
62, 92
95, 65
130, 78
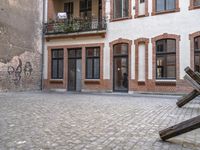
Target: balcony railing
74, 25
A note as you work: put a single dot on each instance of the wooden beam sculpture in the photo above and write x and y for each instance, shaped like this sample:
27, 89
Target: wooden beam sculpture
193, 78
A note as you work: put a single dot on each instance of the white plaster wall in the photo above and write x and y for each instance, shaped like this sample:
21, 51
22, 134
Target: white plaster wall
141, 62
181, 23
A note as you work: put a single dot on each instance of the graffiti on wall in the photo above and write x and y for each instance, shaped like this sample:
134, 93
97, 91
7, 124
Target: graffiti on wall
15, 74
28, 69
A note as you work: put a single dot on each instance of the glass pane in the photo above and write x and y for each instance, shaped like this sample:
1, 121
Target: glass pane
171, 45
160, 46
197, 62
160, 5
96, 68
120, 74
171, 59
60, 69
93, 52
196, 2
125, 8
60, 53
170, 4
171, 72
89, 69
121, 49
197, 44
54, 54
71, 53
117, 9
78, 53
54, 69
160, 67
72, 74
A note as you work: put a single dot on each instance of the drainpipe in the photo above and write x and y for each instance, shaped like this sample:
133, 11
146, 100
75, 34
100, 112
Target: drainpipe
43, 40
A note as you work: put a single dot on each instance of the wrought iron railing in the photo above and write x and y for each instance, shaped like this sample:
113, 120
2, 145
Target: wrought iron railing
74, 25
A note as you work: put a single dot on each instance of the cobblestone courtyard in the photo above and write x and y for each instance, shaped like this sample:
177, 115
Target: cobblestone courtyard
92, 121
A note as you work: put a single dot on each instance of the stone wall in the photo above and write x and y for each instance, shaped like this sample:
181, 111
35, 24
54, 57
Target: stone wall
20, 44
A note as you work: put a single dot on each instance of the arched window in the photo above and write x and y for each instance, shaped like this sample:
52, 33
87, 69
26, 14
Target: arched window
166, 59
197, 54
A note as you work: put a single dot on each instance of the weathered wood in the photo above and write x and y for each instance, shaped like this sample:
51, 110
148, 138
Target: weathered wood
180, 128
187, 98
192, 82
192, 74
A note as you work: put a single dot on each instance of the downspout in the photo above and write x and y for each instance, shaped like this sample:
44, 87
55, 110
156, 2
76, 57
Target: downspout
43, 44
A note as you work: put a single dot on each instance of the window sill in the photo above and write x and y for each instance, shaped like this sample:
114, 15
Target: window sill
56, 80
165, 12
141, 16
120, 19
166, 82
194, 7
92, 81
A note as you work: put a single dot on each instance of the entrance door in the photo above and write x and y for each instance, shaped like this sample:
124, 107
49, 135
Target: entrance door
74, 69
120, 68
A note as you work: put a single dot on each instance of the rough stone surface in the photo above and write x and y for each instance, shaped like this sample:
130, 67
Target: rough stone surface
20, 44
92, 122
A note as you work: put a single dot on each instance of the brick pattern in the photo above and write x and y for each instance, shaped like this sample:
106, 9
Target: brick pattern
137, 9
191, 38
120, 19
163, 12
191, 7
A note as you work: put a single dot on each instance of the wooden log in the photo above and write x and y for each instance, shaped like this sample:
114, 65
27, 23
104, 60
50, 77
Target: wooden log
192, 82
187, 98
192, 74
180, 128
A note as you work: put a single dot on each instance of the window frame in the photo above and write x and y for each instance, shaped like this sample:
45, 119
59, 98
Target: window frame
58, 62
93, 58
164, 55
196, 51
112, 19
192, 6
155, 12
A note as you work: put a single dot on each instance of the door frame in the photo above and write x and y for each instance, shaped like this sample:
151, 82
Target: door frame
111, 44
114, 76
74, 58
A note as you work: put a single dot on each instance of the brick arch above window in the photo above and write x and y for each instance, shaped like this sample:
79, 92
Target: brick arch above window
119, 19
192, 5
191, 38
162, 37
154, 12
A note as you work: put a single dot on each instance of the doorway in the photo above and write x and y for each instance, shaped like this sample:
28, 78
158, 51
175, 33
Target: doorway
74, 69
120, 68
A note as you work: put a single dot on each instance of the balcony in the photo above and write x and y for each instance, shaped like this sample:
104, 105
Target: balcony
82, 17
75, 25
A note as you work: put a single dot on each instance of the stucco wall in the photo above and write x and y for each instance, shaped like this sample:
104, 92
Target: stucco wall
20, 44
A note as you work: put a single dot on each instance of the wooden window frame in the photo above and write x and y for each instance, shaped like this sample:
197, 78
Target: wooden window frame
93, 58
57, 59
154, 12
112, 19
192, 6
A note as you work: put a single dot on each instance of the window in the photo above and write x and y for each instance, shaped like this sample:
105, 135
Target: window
142, 1
196, 3
57, 64
197, 54
69, 8
93, 63
121, 9
166, 59
165, 5
86, 9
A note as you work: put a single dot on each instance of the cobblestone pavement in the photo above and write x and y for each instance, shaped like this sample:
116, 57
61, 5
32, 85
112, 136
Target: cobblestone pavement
62, 121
